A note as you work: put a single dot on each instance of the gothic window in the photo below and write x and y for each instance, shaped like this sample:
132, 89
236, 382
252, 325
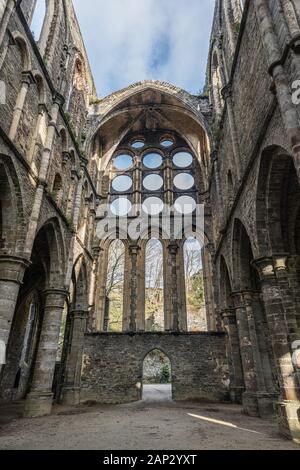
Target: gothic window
194, 285
57, 188
146, 168
154, 286
113, 316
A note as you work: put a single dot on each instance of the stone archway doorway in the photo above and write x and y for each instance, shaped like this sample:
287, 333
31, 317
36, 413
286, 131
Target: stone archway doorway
157, 377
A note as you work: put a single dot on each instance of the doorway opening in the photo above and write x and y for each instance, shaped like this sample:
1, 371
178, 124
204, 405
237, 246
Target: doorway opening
157, 377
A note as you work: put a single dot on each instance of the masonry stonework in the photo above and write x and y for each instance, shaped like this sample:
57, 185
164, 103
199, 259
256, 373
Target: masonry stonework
59, 144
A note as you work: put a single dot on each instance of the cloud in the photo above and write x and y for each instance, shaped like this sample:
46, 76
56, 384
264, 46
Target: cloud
132, 40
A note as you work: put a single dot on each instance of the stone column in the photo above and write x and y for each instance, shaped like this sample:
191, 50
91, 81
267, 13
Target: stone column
288, 407
218, 188
237, 386
39, 400
5, 18
38, 127
288, 110
27, 80
173, 249
71, 389
208, 289
38, 198
141, 289
181, 290
133, 251
249, 399
284, 274
12, 271
236, 164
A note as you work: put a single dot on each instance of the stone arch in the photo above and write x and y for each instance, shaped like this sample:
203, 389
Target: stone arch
157, 375
41, 87
277, 190
22, 43
11, 208
80, 283
246, 277
225, 285
216, 81
50, 247
46, 271
111, 108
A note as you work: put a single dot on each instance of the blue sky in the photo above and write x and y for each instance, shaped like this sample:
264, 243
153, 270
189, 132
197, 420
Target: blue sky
132, 40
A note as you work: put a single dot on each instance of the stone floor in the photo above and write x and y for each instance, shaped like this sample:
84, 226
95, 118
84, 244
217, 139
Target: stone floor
156, 423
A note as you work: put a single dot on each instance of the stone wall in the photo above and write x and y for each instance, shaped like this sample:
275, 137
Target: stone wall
112, 366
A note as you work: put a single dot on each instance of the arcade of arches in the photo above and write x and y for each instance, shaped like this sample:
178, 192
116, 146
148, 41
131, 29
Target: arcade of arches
83, 305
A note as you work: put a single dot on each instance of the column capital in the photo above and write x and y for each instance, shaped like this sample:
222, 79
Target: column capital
12, 268
173, 248
228, 314
134, 249
79, 313
58, 99
265, 267
57, 292
27, 77
65, 157
227, 91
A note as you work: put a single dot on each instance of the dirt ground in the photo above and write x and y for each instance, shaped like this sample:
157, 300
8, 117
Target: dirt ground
156, 423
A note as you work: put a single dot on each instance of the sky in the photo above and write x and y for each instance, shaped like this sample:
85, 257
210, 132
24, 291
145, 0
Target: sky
132, 40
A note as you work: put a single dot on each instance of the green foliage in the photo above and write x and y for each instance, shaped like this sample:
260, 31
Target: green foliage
165, 374
196, 291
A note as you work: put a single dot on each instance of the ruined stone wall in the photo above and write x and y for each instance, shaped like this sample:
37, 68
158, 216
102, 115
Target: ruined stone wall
112, 369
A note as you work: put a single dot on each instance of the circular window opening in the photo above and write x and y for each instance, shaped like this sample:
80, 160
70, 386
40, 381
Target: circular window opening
185, 205
184, 181
153, 206
122, 183
123, 162
166, 143
182, 159
121, 206
152, 160
138, 144
153, 182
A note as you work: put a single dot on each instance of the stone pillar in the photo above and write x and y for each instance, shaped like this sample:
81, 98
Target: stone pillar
288, 407
27, 80
208, 289
39, 400
249, 399
133, 251
218, 187
236, 164
237, 386
5, 18
288, 110
284, 277
38, 128
141, 289
12, 271
181, 290
35, 214
173, 249
71, 389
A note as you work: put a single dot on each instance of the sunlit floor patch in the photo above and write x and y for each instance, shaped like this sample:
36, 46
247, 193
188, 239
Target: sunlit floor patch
223, 423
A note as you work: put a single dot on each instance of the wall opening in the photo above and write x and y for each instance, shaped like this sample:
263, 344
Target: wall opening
38, 19
157, 376
114, 304
154, 283
194, 286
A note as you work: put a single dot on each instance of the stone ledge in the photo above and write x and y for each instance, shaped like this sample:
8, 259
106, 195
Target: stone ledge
158, 333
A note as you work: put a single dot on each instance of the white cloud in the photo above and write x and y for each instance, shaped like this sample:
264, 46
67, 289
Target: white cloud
132, 40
